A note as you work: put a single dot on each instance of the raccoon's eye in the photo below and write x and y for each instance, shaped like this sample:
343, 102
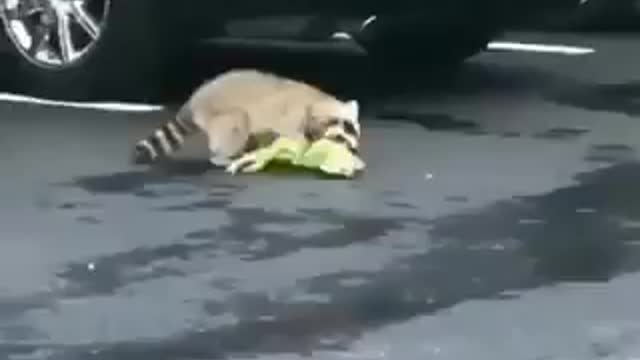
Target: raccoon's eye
341, 139
349, 128
334, 121
338, 138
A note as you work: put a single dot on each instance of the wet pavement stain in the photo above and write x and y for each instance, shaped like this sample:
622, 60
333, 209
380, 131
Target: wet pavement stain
504, 297
105, 275
400, 205
562, 245
501, 79
134, 182
224, 284
259, 215
15, 307
149, 194
155, 184
215, 204
475, 131
225, 188
204, 234
457, 198
429, 121
91, 220
562, 133
80, 205
124, 182
166, 190
245, 228
621, 98
8, 351
19, 332
611, 153
391, 193
564, 242
11, 313
510, 134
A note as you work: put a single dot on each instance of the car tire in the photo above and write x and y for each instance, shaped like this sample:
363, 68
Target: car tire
127, 61
403, 48
591, 14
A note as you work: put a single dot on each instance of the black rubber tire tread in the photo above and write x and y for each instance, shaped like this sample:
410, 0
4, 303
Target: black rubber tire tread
411, 49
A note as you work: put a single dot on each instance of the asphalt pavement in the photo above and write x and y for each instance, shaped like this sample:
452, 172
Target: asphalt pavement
498, 218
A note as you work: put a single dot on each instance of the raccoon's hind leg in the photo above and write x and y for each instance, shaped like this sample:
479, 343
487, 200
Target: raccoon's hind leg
228, 136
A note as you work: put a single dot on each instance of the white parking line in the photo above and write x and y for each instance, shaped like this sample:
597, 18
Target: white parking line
541, 48
107, 106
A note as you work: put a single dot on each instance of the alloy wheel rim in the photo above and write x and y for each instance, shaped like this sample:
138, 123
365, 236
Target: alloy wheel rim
54, 34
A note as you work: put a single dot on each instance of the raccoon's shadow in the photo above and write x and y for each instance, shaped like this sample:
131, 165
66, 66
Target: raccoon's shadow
134, 181
180, 167
281, 170
191, 167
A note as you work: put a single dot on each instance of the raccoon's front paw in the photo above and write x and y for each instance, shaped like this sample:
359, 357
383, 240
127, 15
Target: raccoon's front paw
246, 163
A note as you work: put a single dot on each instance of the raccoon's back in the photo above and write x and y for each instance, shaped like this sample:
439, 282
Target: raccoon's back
245, 87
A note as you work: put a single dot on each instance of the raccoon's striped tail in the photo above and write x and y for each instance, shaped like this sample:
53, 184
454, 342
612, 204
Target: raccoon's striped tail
165, 140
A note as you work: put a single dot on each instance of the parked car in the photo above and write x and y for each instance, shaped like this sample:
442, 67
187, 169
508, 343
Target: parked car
88, 49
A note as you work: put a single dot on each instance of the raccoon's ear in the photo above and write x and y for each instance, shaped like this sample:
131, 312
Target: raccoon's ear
354, 114
354, 107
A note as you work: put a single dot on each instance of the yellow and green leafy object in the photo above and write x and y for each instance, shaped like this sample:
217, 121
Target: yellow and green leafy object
328, 156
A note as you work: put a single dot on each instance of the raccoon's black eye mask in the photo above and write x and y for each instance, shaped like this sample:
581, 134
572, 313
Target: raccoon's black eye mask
317, 131
341, 139
346, 124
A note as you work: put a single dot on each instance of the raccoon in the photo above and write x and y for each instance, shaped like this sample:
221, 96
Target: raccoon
240, 108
